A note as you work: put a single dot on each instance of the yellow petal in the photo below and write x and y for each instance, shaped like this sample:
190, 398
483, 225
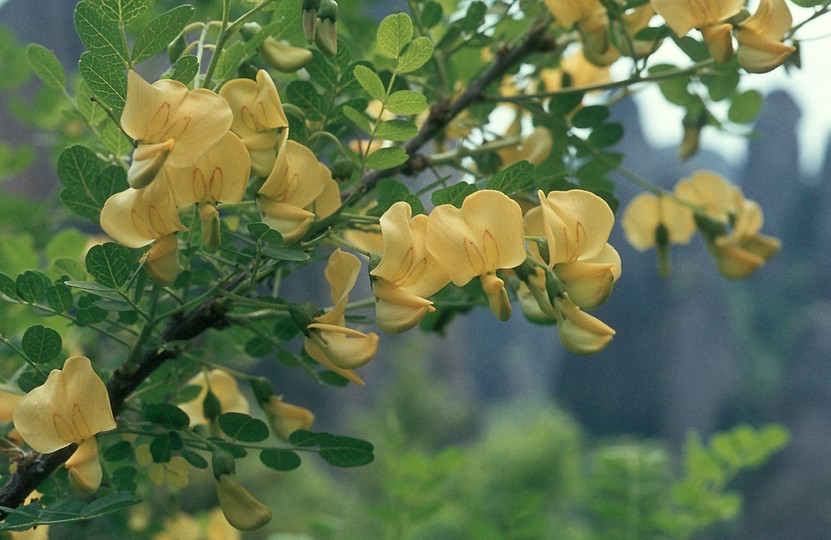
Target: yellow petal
580, 332
84, 467
342, 273
223, 386
161, 262
568, 12
220, 175
344, 347
719, 40
286, 418
684, 15
320, 357
241, 509
136, 217
577, 224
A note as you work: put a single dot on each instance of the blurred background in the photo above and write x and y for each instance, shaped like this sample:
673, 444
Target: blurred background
493, 424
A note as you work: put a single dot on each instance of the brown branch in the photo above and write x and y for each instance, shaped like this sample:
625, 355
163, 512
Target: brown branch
36, 467
443, 112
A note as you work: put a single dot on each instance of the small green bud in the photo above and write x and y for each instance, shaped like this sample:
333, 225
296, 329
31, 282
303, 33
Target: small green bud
326, 35
211, 406
310, 8
222, 462
250, 30
342, 168
262, 389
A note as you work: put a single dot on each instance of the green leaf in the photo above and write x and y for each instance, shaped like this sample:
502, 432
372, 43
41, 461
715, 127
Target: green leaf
280, 459
119, 451
159, 32
46, 65
110, 264
110, 503
8, 286
95, 289
59, 297
406, 102
194, 459
347, 452
243, 428
606, 135
31, 286
431, 14
41, 344
286, 253
230, 59
160, 449
745, 107
117, 144
101, 35
121, 11
107, 82
303, 95
166, 415
590, 116
370, 81
358, 118
386, 158
391, 191
321, 71
306, 439
454, 194
396, 130
186, 69
518, 177
258, 346
394, 33
418, 53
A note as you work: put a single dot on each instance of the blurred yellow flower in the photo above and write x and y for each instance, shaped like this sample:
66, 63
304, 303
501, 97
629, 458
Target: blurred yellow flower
174, 472
286, 418
328, 340
407, 274
69, 408
224, 388
708, 16
534, 148
259, 119
760, 37
481, 237
647, 213
742, 251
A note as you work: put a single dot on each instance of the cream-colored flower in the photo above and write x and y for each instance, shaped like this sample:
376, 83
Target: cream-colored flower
241, 509
284, 57
286, 418
534, 148
578, 69
706, 15
481, 237
223, 386
69, 408
711, 194
647, 213
407, 274
592, 22
328, 340
576, 225
299, 190
580, 332
259, 119
173, 473
743, 251
760, 37
172, 124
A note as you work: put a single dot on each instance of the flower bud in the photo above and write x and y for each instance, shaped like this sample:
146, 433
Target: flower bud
161, 262
326, 34
241, 509
284, 57
222, 463
580, 332
211, 406
310, 8
210, 226
262, 389
249, 30
342, 168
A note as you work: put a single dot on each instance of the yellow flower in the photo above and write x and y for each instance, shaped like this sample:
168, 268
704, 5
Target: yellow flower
744, 250
137, 217
407, 274
648, 212
592, 22
580, 332
241, 509
576, 225
707, 16
259, 119
173, 125
328, 340
534, 148
174, 472
481, 237
569, 12
579, 70
69, 408
760, 37
283, 57
299, 190
223, 386
286, 418
713, 196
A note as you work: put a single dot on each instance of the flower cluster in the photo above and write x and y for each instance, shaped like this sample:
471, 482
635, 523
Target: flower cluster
759, 36
729, 223
199, 147
569, 265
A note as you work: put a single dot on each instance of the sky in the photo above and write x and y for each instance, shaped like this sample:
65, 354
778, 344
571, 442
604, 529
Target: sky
809, 87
